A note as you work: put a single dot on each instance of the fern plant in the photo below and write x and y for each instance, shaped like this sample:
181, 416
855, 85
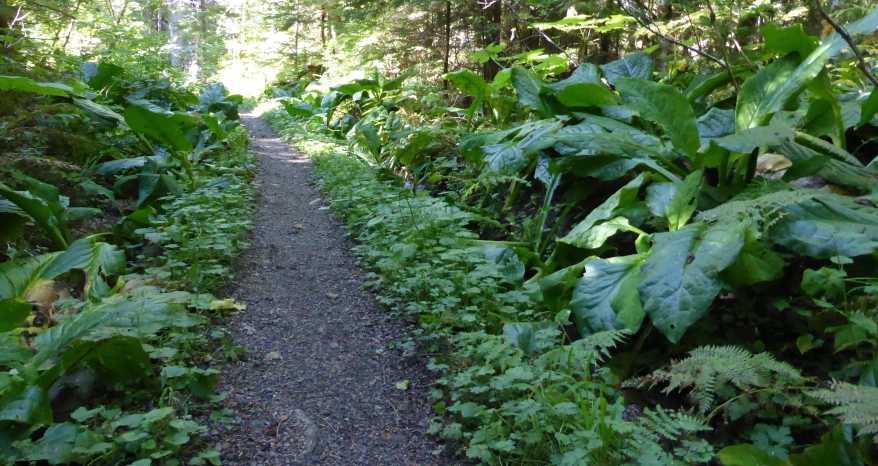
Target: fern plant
856, 405
713, 373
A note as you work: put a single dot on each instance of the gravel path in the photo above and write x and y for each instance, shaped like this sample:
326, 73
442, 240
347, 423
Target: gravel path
319, 384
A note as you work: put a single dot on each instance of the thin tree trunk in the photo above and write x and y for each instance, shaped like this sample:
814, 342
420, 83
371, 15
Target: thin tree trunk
494, 31
447, 38
323, 27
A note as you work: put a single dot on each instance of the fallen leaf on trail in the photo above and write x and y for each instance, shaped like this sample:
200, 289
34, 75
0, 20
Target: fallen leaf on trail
226, 305
404, 385
331, 295
333, 345
298, 226
272, 355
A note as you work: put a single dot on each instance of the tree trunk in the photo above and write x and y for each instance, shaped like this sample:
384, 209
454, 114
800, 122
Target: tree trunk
175, 33
323, 27
447, 38
493, 33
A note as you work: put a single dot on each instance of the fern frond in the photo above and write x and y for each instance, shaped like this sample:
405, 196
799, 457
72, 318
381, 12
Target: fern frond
671, 424
719, 371
856, 405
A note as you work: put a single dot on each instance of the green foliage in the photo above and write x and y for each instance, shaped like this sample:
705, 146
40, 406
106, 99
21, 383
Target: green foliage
97, 311
855, 405
719, 373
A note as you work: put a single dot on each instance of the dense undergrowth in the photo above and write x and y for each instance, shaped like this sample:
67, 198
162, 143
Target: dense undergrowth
123, 198
623, 266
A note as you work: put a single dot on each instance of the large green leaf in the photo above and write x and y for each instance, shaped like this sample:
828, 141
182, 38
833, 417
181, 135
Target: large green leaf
13, 311
469, 83
606, 297
633, 65
704, 84
12, 221
680, 277
827, 226
296, 111
585, 73
760, 95
529, 88
152, 187
18, 277
716, 123
371, 139
12, 353
593, 231
870, 108
748, 455
587, 95
121, 360
609, 156
829, 168
215, 127
783, 41
23, 84
100, 111
505, 158
169, 130
25, 403
101, 75
41, 211
756, 263
62, 444
773, 86
834, 449
659, 197
666, 106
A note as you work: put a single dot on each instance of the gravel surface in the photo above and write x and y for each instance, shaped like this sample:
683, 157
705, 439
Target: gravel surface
319, 382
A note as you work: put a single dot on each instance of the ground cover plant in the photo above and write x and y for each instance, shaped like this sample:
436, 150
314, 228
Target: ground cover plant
121, 209
621, 264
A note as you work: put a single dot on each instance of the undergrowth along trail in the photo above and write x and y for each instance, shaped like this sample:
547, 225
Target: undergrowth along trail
323, 382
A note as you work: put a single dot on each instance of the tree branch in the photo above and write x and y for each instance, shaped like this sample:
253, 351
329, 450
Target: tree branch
31, 2
641, 19
847, 37
545, 36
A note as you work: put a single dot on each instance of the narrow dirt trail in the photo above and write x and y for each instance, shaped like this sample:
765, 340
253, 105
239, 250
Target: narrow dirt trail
319, 383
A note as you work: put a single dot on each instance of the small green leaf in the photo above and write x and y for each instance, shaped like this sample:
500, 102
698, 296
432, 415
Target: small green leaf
807, 342
685, 200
